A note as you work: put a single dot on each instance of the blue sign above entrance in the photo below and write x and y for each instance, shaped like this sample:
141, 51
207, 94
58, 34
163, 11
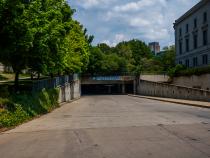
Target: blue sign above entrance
107, 78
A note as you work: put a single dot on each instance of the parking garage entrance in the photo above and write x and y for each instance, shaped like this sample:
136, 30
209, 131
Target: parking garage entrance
108, 85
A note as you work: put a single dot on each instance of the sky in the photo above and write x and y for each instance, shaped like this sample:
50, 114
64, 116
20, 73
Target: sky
113, 21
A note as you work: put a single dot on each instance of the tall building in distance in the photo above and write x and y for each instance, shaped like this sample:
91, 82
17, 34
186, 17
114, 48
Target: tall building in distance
155, 47
192, 36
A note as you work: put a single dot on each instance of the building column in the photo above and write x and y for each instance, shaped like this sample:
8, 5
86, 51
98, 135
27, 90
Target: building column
123, 88
134, 86
109, 89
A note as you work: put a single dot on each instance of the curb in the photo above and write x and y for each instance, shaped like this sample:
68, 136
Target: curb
171, 101
66, 102
2, 130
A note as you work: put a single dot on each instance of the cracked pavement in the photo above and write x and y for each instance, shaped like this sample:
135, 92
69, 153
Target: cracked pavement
112, 126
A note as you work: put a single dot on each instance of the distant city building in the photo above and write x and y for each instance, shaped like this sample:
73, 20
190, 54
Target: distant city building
192, 36
155, 47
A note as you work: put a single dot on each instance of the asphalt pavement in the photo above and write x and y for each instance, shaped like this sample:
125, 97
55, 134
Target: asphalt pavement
112, 126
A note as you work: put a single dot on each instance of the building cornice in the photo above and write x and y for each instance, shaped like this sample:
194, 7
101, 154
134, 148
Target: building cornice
191, 11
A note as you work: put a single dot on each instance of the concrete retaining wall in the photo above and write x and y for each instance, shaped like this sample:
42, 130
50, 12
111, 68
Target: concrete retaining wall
70, 91
202, 81
155, 78
171, 91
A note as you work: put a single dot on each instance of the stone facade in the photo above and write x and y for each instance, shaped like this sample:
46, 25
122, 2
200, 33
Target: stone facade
192, 36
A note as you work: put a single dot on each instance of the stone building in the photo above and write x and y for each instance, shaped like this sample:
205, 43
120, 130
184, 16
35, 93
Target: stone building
192, 36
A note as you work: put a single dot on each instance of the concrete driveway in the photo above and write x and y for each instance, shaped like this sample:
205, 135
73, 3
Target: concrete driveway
112, 127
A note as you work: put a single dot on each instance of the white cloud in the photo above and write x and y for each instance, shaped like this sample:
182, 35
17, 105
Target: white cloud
160, 34
139, 22
136, 6
118, 38
88, 4
133, 6
112, 21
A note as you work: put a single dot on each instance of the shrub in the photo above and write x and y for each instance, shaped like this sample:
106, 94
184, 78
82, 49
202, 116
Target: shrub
7, 104
21, 107
4, 91
174, 71
180, 70
8, 118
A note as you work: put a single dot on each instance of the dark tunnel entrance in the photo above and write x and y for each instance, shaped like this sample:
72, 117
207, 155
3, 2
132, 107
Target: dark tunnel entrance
115, 89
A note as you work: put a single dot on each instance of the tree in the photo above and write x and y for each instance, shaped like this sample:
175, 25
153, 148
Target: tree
62, 43
96, 60
77, 49
168, 57
104, 48
139, 50
41, 35
125, 57
16, 35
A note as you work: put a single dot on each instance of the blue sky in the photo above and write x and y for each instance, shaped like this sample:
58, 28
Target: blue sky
112, 21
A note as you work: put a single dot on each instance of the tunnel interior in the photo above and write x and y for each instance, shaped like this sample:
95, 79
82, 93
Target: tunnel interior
101, 89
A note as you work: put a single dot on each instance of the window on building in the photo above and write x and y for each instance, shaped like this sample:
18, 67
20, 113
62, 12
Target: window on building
187, 28
195, 61
180, 32
180, 47
205, 37
204, 17
195, 41
195, 23
187, 44
205, 59
180, 62
187, 63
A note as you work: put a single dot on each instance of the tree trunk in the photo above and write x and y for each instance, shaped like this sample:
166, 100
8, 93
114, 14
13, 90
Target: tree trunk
32, 76
17, 81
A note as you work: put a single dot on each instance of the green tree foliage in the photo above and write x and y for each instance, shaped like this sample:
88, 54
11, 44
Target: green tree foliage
42, 36
132, 56
96, 61
77, 46
167, 59
126, 57
16, 34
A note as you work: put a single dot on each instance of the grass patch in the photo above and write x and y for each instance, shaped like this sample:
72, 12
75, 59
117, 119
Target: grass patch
18, 108
11, 76
3, 78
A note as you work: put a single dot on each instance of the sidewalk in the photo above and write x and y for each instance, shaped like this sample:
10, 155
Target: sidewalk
178, 101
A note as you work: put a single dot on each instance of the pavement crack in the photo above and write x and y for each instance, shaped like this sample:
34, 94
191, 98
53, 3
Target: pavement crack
78, 137
182, 139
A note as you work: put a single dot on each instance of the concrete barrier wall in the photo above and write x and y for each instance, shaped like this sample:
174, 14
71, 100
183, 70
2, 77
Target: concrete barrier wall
69, 92
155, 78
171, 91
202, 81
